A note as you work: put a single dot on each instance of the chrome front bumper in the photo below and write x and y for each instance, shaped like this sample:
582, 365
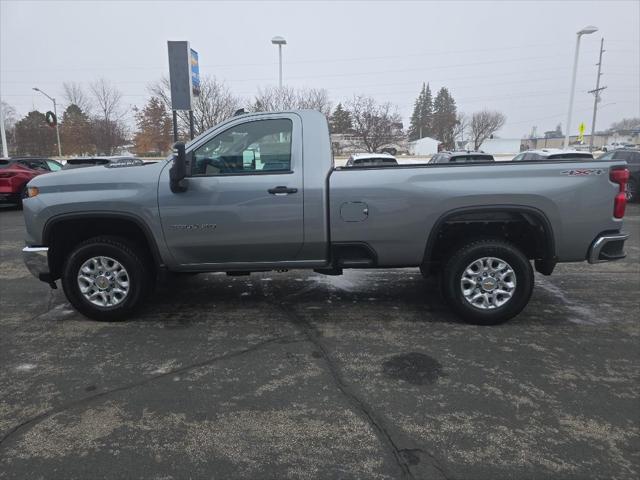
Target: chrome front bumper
607, 247
37, 261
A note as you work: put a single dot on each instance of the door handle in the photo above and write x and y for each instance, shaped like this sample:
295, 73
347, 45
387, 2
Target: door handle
282, 190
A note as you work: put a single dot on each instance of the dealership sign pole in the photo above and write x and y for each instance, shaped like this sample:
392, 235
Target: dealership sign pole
184, 78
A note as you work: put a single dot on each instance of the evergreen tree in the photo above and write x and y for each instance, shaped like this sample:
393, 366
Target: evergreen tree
34, 136
444, 118
340, 121
427, 113
421, 119
75, 131
415, 122
154, 128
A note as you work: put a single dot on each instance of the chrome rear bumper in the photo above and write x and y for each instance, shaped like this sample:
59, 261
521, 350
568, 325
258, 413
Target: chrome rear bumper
37, 261
607, 247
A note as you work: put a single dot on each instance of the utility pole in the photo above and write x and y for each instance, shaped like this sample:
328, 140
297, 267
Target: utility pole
596, 95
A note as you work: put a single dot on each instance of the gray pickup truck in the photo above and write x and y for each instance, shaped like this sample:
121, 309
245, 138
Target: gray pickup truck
261, 192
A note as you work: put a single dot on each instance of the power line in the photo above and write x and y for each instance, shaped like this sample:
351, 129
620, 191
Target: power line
295, 62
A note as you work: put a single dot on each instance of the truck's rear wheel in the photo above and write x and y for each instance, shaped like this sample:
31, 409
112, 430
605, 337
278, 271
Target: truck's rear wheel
487, 282
105, 278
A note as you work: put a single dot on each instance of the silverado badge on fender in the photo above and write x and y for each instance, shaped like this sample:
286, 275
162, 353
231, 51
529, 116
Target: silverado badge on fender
196, 226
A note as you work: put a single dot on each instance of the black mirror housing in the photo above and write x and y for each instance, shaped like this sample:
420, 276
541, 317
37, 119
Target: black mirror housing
178, 171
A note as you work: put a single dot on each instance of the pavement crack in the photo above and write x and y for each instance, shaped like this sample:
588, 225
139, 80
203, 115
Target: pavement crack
365, 410
30, 423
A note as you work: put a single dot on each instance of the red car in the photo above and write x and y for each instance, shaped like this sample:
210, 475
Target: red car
15, 173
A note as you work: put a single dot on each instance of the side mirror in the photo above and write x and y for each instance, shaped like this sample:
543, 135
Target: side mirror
178, 171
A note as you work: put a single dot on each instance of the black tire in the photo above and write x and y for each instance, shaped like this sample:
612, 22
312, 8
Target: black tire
632, 190
463, 257
424, 271
124, 252
24, 193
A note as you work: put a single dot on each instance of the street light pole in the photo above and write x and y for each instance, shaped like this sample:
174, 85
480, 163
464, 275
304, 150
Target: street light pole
585, 31
5, 150
280, 41
55, 112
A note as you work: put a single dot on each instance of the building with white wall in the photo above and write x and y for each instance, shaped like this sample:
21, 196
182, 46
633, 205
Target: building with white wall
496, 146
424, 146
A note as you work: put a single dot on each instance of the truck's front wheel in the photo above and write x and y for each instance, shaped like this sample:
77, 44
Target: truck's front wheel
487, 282
105, 278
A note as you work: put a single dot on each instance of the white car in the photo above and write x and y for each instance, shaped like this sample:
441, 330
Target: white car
617, 145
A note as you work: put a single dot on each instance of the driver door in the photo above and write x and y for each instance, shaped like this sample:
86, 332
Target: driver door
244, 199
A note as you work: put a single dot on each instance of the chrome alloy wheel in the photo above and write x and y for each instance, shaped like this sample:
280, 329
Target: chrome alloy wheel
488, 283
103, 281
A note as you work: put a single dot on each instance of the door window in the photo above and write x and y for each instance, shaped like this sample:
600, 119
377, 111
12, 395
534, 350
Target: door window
262, 146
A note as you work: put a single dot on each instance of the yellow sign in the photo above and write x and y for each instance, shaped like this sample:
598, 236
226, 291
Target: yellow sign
581, 130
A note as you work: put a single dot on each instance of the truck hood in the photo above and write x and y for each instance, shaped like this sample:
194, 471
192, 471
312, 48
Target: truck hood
98, 178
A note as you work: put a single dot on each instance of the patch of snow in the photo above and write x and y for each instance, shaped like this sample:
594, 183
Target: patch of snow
583, 314
59, 312
25, 367
349, 281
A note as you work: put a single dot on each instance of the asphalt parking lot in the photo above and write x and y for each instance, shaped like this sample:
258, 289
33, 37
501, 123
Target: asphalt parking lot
297, 375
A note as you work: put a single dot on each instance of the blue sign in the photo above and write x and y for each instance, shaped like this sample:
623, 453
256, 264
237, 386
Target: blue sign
195, 73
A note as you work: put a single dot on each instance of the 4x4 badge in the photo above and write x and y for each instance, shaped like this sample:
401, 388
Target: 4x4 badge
581, 172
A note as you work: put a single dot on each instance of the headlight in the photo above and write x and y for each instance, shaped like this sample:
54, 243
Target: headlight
32, 191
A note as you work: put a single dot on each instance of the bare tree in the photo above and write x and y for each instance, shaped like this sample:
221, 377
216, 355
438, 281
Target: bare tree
625, 124
461, 126
484, 124
108, 128
315, 99
375, 124
107, 98
272, 99
74, 94
215, 104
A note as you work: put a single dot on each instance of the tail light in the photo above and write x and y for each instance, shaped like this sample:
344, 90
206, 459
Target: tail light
621, 177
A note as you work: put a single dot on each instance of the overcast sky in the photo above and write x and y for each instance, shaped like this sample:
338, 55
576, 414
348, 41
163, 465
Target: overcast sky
513, 56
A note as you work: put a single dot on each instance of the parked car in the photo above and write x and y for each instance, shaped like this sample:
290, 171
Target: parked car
632, 157
371, 160
15, 173
107, 233
462, 157
115, 161
35, 163
617, 145
552, 154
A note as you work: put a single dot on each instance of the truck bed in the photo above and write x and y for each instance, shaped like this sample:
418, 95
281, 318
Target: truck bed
403, 203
